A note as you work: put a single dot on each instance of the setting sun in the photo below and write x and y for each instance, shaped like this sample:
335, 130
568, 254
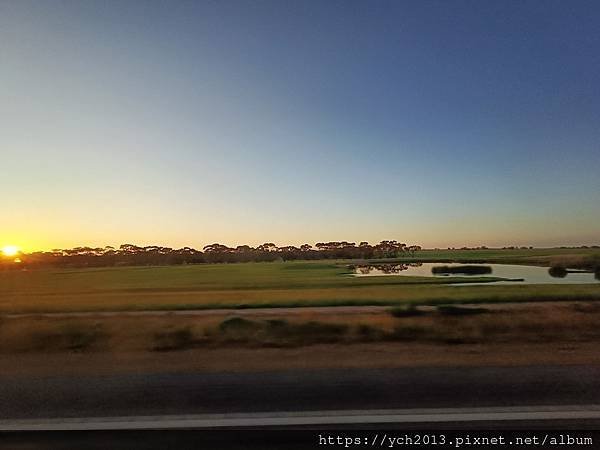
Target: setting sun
10, 250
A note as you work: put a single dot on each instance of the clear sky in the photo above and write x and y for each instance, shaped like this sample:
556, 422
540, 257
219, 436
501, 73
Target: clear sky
190, 122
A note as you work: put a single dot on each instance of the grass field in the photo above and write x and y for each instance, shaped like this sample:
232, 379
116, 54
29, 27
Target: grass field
536, 256
289, 284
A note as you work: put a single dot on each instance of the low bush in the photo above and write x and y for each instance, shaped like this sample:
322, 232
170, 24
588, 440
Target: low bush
174, 339
368, 333
306, 333
319, 329
406, 311
452, 310
71, 336
81, 338
277, 323
409, 333
278, 332
237, 324
238, 329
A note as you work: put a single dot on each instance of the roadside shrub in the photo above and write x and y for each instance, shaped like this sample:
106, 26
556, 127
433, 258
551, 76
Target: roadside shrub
282, 333
239, 329
406, 311
457, 337
71, 336
321, 328
175, 339
369, 333
238, 323
80, 337
277, 323
316, 332
409, 333
451, 310
277, 332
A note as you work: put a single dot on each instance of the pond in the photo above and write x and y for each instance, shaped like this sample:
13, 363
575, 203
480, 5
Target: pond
514, 272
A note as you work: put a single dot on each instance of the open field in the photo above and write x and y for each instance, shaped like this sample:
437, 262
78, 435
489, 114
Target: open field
532, 328
250, 285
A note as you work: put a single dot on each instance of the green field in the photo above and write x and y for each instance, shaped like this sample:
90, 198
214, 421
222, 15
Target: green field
278, 284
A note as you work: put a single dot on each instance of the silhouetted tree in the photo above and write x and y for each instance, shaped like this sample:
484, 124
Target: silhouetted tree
134, 255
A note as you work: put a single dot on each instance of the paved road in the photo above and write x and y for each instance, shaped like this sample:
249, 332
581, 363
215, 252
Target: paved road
304, 419
113, 411
299, 390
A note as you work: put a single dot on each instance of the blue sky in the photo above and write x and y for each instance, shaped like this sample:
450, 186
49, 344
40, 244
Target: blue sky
186, 123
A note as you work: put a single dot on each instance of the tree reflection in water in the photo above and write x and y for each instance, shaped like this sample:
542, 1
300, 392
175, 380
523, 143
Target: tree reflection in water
386, 268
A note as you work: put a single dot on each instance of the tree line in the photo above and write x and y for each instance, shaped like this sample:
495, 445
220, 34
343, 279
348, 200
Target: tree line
133, 255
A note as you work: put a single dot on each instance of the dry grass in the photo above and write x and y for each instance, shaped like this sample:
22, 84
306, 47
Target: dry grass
527, 323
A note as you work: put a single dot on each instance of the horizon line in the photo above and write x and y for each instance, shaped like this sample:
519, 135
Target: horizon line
350, 243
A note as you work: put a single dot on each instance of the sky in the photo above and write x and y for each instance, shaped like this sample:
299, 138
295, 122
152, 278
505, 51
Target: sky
191, 122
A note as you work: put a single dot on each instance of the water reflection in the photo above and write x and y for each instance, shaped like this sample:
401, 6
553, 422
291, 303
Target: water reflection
461, 270
385, 269
511, 273
558, 272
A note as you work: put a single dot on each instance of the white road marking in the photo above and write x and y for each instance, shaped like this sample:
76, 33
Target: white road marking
562, 412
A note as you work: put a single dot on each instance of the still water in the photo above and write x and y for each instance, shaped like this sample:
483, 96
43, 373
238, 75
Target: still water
525, 274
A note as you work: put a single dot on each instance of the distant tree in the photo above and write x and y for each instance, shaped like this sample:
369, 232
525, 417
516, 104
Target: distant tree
412, 249
267, 247
217, 248
133, 255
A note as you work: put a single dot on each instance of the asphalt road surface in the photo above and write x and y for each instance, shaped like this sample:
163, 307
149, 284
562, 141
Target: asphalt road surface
124, 411
298, 390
